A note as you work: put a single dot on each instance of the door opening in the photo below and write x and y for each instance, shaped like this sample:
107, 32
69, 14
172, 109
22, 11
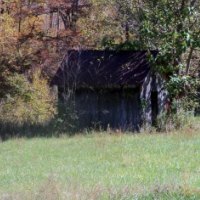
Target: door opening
154, 107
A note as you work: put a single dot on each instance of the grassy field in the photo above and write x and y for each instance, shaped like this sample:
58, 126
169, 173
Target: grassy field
102, 166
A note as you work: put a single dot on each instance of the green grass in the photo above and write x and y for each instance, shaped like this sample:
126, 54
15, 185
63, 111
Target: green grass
102, 166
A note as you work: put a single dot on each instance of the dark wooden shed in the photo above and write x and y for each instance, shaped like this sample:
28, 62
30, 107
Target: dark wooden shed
115, 89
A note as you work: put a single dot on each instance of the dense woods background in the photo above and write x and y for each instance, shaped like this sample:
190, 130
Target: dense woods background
35, 35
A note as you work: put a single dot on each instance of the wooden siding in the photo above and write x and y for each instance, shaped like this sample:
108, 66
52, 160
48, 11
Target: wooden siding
115, 109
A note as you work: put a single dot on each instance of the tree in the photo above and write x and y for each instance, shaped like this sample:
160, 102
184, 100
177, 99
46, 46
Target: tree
103, 26
26, 46
172, 27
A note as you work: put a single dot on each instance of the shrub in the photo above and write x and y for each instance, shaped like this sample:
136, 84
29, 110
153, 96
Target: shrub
30, 102
178, 119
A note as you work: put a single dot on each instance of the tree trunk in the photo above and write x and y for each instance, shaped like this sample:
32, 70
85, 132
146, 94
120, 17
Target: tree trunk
189, 61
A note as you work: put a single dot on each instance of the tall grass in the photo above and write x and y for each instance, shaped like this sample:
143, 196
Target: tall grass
102, 166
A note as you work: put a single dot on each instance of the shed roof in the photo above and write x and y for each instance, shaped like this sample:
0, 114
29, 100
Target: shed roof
99, 69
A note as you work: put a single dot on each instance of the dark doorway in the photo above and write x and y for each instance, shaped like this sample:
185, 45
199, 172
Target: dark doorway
154, 107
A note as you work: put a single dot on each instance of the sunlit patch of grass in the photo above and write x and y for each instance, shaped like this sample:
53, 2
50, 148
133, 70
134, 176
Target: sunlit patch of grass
102, 166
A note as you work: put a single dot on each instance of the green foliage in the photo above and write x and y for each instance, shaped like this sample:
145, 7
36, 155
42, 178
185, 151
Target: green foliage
30, 102
172, 27
179, 85
168, 122
109, 43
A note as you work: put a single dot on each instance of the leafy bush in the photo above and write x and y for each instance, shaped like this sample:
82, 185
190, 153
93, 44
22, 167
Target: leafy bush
167, 122
183, 96
182, 86
30, 102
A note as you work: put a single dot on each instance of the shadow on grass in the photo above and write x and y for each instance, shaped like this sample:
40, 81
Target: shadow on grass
52, 129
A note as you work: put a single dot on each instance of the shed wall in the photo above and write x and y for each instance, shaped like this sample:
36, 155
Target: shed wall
117, 109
